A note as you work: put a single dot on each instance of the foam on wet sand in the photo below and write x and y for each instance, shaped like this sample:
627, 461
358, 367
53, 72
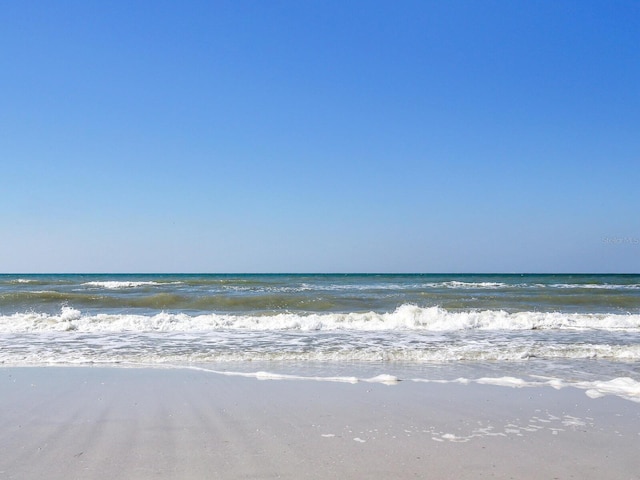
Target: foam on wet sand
144, 423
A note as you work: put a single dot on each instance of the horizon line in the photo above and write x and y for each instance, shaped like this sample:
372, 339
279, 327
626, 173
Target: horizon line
319, 273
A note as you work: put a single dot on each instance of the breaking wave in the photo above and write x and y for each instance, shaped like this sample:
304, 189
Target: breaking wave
405, 317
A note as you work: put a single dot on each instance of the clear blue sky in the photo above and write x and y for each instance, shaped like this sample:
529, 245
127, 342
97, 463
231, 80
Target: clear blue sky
320, 136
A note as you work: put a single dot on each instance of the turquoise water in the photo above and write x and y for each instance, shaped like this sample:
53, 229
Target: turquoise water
269, 294
574, 325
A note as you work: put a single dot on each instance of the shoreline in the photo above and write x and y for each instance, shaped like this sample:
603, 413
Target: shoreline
106, 422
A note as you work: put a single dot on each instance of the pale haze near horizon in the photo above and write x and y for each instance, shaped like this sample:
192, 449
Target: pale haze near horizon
320, 136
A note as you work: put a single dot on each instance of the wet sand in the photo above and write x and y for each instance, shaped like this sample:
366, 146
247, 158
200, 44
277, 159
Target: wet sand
112, 423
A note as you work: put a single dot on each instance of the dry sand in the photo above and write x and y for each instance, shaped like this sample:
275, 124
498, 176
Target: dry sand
118, 423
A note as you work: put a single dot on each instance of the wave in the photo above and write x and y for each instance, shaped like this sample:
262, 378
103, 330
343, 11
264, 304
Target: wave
174, 301
470, 285
405, 317
153, 350
42, 296
23, 281
116, 285
500, 285
597, 286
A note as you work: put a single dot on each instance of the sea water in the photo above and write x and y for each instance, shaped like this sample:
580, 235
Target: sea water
549, 329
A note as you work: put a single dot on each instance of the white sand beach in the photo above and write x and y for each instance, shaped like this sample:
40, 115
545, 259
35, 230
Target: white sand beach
109, 423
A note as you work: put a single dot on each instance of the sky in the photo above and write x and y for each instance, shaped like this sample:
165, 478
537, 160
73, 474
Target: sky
320, 136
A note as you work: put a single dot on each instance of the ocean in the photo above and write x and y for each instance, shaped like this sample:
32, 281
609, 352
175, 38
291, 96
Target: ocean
518, 329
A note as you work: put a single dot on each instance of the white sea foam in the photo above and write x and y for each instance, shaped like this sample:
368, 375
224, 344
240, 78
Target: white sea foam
382, 378
59, 348
597, 286
504, 381
409, 334
468, 285
117, 285
406, 317
454, 284
623, 387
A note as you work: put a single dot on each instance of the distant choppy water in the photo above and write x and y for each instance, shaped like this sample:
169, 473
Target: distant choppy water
580, 325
